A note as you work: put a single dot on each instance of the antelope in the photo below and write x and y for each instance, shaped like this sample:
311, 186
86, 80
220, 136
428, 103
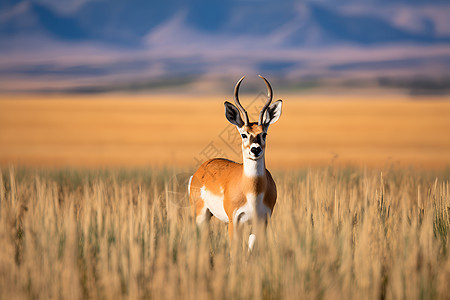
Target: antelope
236, 193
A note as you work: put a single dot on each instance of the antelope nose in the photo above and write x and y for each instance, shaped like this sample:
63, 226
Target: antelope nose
255, 150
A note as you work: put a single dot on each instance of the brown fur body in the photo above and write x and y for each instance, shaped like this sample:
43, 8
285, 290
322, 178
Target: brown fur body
219, 176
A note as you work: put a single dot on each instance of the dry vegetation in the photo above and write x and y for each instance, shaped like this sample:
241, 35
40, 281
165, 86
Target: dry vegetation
336, 233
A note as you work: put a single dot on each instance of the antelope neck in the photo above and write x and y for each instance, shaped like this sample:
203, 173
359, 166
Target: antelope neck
254, 168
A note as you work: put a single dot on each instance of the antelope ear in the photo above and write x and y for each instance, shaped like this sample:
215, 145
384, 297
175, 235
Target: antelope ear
233, 115
273, 113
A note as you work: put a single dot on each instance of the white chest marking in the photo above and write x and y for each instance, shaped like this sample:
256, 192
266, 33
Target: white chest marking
254, 207
214, 203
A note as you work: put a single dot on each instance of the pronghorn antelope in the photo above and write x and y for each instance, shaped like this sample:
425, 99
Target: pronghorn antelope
237, 193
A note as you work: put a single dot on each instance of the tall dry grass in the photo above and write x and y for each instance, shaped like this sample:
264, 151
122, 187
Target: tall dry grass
336, 232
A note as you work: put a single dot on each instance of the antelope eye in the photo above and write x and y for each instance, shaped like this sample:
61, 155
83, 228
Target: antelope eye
244, 136
264, 135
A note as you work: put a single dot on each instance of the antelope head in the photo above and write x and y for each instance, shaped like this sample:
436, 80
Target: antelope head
253, 134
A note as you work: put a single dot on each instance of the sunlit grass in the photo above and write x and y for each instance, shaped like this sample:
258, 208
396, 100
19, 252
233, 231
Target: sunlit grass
335, 233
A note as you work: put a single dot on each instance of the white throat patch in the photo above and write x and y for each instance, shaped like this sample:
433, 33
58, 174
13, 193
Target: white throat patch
254, 168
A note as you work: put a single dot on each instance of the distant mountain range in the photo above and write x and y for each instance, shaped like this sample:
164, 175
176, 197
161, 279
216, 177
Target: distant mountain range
142, 42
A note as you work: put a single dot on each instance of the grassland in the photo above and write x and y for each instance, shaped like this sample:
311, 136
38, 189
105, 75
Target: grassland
336, 233
93, 199
136, 130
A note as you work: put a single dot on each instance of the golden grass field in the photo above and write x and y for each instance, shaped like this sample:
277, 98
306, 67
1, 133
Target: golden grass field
136, 130
93, 200
336, 233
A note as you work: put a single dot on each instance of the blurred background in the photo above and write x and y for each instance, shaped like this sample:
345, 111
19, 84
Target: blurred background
188, 53
129, 45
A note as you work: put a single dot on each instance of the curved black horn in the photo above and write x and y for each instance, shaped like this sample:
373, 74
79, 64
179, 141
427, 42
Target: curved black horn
238, 104
269, 99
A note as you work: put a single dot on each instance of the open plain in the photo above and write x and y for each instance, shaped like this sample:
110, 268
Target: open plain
161, 130
93, 200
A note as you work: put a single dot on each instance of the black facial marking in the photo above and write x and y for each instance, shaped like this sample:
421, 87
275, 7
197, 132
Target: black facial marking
257, 139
